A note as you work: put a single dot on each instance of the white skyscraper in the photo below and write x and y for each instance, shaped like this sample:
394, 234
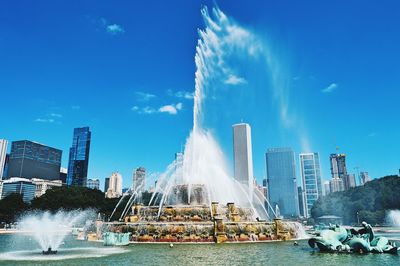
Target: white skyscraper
311, 178
115, 186
3, 153
242, 153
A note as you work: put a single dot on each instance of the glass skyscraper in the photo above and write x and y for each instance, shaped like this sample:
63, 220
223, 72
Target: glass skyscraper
281, 178
79, 157
30, 159
311, 178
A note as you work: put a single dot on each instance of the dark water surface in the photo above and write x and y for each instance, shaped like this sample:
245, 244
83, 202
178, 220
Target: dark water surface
22, 250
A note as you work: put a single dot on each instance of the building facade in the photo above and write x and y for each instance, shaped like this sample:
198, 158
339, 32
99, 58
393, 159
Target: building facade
30, 159
93, 183
243, 156
43, 185
338, 172
302, 202
281, 178
3, 155
79, 157
311, 179
19, 185
349, 181
106, 184
114, 186
139, 179
364, 177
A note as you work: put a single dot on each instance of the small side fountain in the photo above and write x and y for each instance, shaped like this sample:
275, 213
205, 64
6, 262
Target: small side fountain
49, 230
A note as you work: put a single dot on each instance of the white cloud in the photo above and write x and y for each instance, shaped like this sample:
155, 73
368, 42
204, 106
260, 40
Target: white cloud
330, 88
181, 94
170, 109
179, 106
55, 115
114, 29
148, 110
234, 80
44, 120
143, 96
184, 94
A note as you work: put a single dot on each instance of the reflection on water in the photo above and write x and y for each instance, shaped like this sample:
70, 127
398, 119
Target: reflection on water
279, 253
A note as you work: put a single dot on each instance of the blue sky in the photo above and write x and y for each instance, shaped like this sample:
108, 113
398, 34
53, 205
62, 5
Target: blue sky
126, 69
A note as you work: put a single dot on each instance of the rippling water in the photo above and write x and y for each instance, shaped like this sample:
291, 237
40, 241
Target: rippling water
83, 253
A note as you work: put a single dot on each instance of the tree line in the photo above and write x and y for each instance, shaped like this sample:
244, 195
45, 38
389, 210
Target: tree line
364, 203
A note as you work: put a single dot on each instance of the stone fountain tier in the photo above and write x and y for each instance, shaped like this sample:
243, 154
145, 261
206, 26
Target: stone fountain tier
200, 223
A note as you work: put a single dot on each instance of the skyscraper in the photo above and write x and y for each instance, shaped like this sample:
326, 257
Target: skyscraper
242, 153
79, 157
115, 186
3, 154
338, 172
30, 159
106, 184
139, 179
311, 178
282, 185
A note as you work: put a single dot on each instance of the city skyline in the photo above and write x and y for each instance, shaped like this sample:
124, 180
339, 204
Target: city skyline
117, 98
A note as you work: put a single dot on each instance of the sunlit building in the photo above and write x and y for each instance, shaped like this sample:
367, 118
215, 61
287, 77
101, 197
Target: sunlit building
311, 178
114, 186
242, 155
43, 185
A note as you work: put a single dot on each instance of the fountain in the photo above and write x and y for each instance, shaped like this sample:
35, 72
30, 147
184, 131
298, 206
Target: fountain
393, 218
197, 200
49, 230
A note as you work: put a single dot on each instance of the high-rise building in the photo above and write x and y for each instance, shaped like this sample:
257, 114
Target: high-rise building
43, 185
327, 189
115, 186
34, 160
93, 183
302, 201
338, 171
364, 177
5, 170
79, 157
106, 184
19, 185
1, 187
311, 178
282, 185
242, 155
3, 154
336, 184
349, 181
63, 175
139, 179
